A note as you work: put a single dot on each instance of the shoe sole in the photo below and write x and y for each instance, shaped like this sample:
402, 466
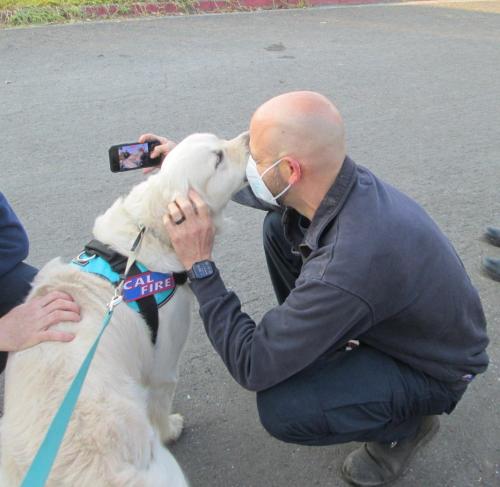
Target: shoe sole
428, 436
492, 240
491, 274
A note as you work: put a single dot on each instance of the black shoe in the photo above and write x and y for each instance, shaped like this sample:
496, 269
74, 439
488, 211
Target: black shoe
492, 268
376, 464
492, 235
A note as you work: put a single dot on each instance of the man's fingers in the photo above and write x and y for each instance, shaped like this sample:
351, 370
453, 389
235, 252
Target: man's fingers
167, 221
159, 152
155, 153
170, 226
175, 212
62, 304
151, 138
181, 208
186, 206
52, 296
199, 203
59, 316
173, 230
163, 149
55, 336
147, 138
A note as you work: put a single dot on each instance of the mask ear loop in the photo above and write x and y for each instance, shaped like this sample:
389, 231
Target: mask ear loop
268, 169
282, 192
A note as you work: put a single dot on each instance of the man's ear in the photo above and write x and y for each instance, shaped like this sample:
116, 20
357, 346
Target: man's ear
295, 171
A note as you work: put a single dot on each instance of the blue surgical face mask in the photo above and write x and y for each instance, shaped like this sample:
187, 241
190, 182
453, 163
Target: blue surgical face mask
258, 185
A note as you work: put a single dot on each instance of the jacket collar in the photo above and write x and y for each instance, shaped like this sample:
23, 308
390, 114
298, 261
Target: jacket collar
329, 208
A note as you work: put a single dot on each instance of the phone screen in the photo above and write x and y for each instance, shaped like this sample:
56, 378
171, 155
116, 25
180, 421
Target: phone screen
126, 157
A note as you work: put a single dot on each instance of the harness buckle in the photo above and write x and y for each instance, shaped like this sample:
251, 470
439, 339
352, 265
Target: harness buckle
83, 260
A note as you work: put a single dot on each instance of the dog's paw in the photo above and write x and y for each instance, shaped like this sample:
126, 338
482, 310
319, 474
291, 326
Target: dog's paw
173, 430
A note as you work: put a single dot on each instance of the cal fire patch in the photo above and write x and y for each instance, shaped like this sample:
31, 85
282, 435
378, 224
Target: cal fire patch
147, 284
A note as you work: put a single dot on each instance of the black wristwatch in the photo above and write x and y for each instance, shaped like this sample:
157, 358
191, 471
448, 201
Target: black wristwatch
201, 270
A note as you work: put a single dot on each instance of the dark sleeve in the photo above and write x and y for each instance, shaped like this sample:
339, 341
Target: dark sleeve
315, 317
13, 238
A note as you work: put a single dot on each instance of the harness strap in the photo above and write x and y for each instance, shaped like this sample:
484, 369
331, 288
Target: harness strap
118, 262
180, 277
148, 309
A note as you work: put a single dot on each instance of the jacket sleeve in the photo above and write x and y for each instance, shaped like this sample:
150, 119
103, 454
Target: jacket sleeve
315, 317
13, 238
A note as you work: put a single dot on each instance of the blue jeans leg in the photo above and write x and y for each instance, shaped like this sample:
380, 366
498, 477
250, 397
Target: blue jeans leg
361, 395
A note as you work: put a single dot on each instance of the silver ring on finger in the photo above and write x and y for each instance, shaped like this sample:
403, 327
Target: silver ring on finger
180, 220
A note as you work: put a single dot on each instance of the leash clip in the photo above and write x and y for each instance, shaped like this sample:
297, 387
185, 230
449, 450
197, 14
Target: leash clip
115, 300
118, 296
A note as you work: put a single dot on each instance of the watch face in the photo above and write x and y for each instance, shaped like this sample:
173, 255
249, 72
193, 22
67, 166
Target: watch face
203, 269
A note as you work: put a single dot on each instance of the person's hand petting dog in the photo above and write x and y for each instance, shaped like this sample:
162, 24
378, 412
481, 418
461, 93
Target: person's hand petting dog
191, 229
30, 323
161, 150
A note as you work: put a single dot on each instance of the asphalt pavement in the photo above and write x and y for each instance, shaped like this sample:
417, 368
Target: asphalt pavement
418, 87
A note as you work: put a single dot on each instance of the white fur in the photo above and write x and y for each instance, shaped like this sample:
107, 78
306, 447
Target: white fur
123, 417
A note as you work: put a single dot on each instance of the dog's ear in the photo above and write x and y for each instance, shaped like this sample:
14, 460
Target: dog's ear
245, 136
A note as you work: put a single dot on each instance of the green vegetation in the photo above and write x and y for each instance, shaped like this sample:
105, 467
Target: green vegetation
25, 12
41, 15
18, 4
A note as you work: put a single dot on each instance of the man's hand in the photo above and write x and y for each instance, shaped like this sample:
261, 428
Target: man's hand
159, 151
191, 229
30, 323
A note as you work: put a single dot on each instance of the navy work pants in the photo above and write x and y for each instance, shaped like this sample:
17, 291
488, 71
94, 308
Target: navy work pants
358, 395
14, 287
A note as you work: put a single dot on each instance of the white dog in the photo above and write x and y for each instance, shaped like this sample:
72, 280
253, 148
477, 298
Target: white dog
115, 437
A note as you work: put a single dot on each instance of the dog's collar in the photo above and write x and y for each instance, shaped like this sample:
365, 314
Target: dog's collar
143, 290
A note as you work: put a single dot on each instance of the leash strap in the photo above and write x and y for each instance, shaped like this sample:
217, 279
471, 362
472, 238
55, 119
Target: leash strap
41, 466
131, 260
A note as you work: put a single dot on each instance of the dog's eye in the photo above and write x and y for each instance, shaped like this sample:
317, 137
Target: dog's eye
220, 158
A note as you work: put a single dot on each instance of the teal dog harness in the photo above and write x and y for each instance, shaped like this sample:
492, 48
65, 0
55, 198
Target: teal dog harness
144, 291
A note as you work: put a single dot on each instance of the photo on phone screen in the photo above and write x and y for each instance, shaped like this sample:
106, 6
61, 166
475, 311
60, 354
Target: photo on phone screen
126, 157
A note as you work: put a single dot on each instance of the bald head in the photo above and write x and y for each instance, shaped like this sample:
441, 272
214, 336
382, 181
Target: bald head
303, 125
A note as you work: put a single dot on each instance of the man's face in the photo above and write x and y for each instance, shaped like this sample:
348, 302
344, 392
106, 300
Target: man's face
264, 160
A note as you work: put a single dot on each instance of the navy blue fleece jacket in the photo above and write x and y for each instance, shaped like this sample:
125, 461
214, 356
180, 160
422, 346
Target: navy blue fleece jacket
13, 238
376, 268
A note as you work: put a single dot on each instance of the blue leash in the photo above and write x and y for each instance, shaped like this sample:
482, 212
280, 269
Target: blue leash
41, 466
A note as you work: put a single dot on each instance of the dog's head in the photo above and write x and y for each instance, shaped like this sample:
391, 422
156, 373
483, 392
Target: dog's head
213, 167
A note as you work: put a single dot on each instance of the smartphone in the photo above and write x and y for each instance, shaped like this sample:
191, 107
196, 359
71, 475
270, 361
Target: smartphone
134, 155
